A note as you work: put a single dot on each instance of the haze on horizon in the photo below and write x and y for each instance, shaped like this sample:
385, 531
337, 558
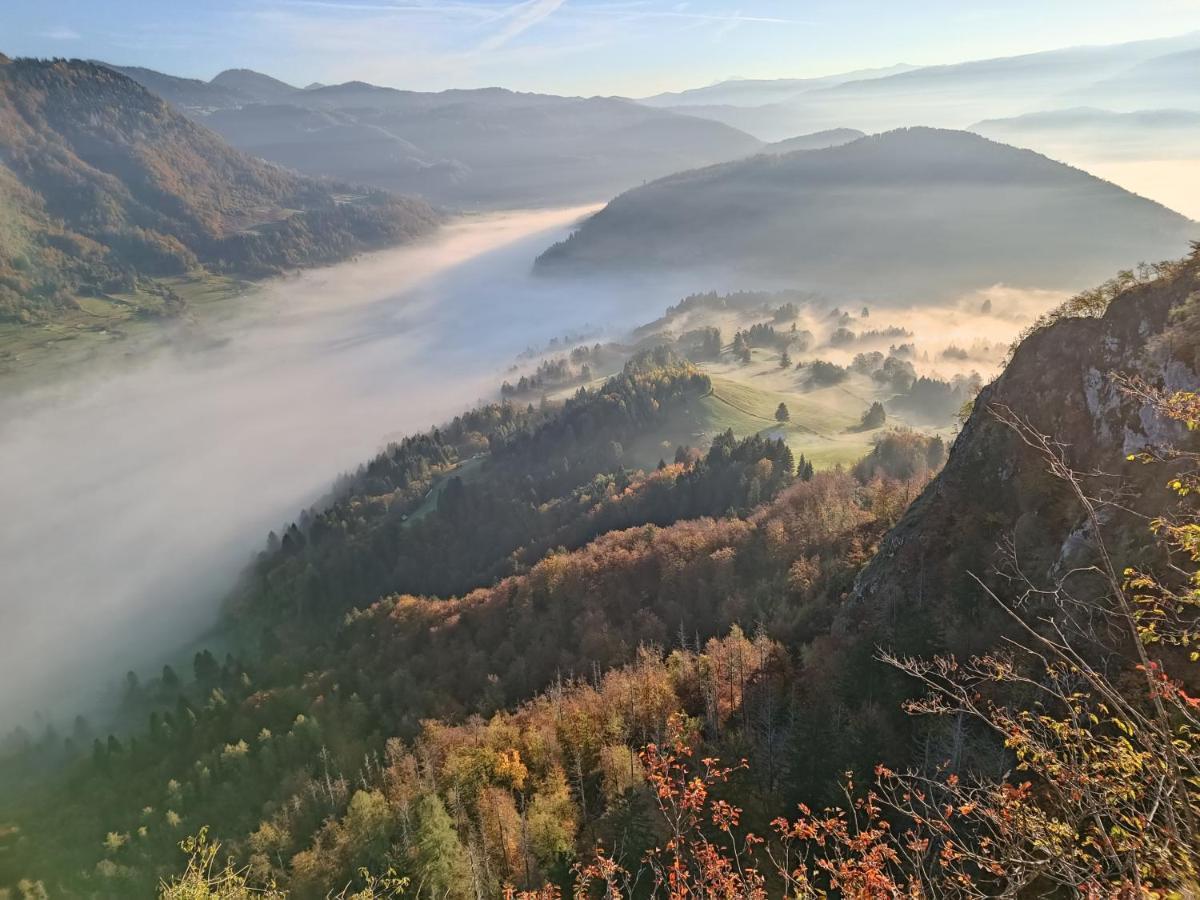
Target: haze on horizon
570, 47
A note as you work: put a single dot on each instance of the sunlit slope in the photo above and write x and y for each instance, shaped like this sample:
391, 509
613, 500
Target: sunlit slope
106, 192
822, 423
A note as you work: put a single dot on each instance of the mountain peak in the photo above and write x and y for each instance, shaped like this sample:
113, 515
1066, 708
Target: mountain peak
252, 84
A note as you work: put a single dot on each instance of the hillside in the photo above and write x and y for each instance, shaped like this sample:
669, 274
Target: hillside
900, 214
317, 140
489, 147
105, 191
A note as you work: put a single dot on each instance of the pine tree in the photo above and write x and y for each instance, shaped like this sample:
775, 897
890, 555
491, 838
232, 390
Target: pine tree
205, 668
782, 414
874, 417
804, 471
440, 860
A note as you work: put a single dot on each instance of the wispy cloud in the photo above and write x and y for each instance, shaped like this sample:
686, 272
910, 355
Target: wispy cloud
464, 10
521, 18
683, 11
432, 44
62, 34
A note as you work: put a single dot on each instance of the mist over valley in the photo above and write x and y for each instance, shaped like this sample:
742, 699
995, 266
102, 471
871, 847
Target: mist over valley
487, 450
231, 424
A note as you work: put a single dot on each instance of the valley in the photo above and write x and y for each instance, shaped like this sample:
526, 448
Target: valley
295, 361
500, 454
327, 361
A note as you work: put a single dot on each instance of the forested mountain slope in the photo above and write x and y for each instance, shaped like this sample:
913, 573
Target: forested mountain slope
902, 214
105, 190
488, 737
550, 480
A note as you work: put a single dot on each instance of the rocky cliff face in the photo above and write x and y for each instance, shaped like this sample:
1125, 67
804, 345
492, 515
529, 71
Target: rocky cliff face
996, 491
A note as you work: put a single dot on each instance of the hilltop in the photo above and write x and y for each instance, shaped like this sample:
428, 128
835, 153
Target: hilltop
903, 213
253, 85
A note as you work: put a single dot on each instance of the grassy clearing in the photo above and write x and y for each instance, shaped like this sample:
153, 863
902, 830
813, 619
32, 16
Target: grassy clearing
821, 424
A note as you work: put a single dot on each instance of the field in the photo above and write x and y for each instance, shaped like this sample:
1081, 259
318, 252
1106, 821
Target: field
30, 352
823, 423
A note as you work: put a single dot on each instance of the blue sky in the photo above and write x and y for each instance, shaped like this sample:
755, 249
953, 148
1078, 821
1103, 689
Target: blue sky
629, 47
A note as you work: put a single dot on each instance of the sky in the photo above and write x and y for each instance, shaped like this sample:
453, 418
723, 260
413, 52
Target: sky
586, 47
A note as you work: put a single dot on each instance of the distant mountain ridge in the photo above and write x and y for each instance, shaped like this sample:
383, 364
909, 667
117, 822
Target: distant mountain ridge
757, 91
1172, 80
1139, 74
188, 94
104, 189
818, 140
898, 214
1101, 133
487, 147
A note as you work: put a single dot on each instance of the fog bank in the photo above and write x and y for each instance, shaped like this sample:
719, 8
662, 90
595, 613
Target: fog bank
134, 497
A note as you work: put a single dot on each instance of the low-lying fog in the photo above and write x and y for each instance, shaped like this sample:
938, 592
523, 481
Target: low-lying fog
133, 499
136, 492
